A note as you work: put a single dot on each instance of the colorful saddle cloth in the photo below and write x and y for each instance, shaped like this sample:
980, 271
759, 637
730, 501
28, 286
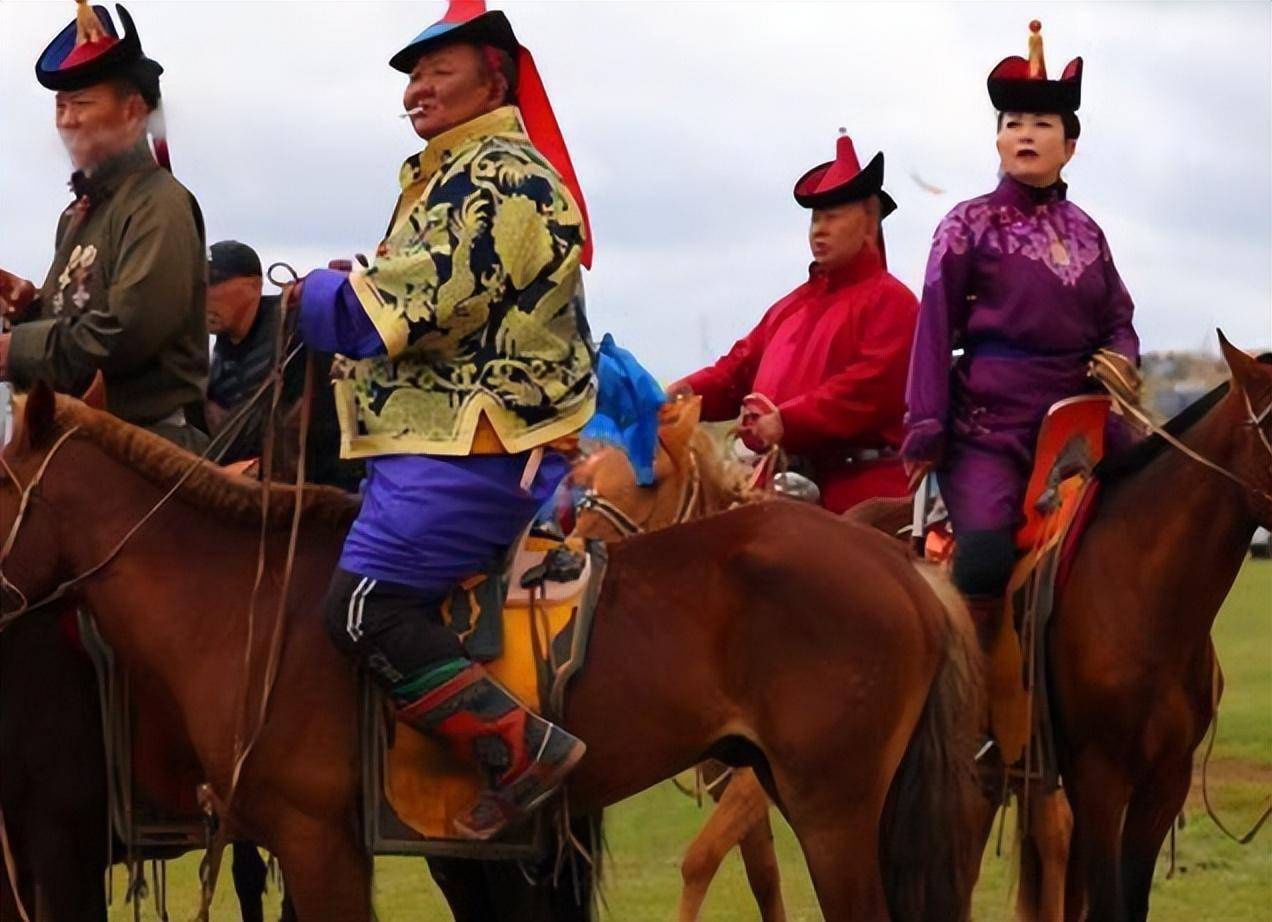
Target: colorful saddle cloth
533, 639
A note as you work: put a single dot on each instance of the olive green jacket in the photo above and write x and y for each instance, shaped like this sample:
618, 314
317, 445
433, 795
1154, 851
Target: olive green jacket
124, 296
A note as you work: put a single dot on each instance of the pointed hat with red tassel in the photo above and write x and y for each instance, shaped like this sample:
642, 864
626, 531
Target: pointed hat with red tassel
1017, 84
470, 21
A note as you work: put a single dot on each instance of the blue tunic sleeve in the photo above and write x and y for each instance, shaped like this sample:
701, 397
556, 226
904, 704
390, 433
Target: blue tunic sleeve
332, 318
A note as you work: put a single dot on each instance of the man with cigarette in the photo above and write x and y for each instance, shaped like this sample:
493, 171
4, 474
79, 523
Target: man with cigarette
466, 369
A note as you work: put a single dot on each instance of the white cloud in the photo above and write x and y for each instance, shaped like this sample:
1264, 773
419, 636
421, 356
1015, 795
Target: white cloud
689, 123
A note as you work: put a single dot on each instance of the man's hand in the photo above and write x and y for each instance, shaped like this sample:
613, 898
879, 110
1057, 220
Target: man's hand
293, 296
678, 389
763, 431
16, 295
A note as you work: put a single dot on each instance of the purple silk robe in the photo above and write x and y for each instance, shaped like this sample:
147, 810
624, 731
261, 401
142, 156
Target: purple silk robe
1022, 280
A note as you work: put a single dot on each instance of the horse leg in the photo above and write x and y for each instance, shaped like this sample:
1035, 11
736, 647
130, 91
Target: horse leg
328, 875
1045, 854
1153, 809
762, 871
464, 885
1099, 794
742, 806
840, 840
249, 871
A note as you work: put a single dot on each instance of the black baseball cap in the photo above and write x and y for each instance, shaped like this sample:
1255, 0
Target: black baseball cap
229, 259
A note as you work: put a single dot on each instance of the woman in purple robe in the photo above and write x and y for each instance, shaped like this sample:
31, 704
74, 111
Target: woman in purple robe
1023, 281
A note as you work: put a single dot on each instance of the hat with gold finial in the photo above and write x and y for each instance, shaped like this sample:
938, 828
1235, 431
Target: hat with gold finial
1017, 84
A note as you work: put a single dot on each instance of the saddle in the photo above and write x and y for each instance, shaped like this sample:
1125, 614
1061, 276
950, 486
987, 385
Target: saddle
528, 620
1059, 502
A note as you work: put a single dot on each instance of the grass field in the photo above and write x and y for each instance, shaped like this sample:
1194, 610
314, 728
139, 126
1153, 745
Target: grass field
1215, 880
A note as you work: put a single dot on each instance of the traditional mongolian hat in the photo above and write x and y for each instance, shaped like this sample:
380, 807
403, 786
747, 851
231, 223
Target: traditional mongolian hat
1020, 85
90, 50
843, 179
470, 22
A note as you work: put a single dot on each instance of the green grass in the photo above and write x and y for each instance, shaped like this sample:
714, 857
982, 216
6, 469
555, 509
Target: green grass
1215, 879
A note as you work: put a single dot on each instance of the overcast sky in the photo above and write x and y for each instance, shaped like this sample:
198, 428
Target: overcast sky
689, 123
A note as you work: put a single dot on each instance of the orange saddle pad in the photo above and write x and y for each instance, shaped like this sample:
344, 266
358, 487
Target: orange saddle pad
425, 784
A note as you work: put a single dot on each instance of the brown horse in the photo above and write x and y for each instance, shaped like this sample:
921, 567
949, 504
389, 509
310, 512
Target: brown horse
690, 480
813, 650
1133, 673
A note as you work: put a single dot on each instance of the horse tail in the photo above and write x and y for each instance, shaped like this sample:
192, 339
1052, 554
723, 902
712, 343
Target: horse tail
929, 846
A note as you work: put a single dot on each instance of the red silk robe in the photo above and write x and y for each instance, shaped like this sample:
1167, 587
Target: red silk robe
833, 355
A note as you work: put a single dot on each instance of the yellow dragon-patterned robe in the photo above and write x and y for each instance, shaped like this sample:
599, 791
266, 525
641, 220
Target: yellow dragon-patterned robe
477, 294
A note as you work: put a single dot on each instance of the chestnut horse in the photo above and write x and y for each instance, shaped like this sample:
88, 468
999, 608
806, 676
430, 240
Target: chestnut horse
691, 479
811, 649
1134, 676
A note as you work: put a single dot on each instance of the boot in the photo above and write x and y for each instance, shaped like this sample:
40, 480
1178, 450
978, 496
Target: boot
1004, 674
522, 758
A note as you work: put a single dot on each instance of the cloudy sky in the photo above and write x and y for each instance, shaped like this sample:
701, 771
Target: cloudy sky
689, 123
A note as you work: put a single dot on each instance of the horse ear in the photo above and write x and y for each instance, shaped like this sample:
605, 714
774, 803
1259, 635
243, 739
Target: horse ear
38, 414
677, 423
95, 396
1247, 373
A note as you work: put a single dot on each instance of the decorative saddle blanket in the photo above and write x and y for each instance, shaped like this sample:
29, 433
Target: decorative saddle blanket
530, 626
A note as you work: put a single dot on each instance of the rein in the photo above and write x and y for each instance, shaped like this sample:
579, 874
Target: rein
625, 525
250, 725
28, 491
248, 730
1118, 388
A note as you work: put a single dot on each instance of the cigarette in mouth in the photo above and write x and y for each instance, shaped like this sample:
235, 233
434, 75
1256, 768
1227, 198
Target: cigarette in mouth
409, 112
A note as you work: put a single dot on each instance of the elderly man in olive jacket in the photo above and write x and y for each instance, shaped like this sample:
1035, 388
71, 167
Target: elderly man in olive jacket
125, 293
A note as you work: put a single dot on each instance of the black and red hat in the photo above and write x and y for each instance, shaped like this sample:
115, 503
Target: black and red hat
470, 22
1020, 85
843, 179
90, 50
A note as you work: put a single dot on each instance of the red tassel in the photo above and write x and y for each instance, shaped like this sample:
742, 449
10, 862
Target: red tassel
545, 134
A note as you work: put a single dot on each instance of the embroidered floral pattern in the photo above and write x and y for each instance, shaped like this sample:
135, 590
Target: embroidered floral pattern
1058, 235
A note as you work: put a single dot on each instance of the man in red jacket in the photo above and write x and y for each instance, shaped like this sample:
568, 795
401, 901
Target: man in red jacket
824, 373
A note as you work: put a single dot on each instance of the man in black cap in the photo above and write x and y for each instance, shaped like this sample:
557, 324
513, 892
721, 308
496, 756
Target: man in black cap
125, 293
245, 324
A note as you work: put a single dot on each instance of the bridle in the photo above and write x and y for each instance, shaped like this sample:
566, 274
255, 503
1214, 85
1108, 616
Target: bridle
25, 493
1118, 390
626, 526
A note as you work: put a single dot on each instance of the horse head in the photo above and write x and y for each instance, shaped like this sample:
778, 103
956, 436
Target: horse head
1251, 397
690, 480
29, 552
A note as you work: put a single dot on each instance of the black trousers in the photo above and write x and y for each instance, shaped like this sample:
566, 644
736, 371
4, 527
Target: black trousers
393, 630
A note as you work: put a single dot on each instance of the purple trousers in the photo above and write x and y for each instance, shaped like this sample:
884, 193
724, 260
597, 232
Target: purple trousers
429, 521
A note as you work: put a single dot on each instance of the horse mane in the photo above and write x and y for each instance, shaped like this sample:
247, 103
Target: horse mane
209, 487
1132, 460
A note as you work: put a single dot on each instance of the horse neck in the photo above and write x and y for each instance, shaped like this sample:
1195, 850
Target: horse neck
1193, 524
179, 587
